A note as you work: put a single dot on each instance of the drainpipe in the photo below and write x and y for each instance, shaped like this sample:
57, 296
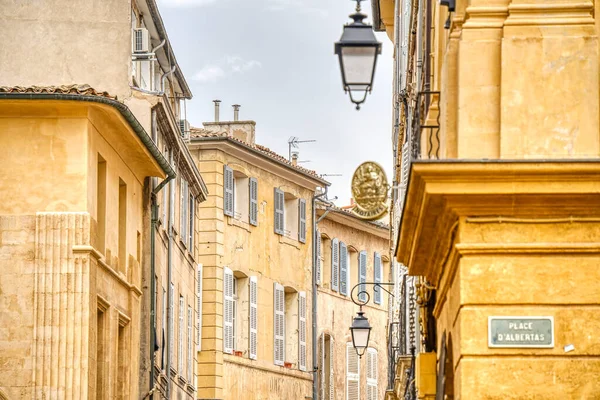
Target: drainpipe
165, 75
314, 290
153, 220
171, 304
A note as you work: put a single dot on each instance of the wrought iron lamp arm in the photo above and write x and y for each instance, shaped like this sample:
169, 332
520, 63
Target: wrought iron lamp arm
355, 296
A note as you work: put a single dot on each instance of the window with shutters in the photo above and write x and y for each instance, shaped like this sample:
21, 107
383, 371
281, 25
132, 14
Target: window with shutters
326, 368
183, 211
228, 191
372, 374
344, 269
377, 277
241, 196
352, 373
228, 310
292, 329
253, 319
335, 265
302, 331
279, 211
253, 206
199, 307
362, 275
278, 324
302, 220
180, 335
234, 313
190, 343
319, 259
191, 216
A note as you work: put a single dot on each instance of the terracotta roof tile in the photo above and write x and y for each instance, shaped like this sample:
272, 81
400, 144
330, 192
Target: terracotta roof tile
83, 90
203, 133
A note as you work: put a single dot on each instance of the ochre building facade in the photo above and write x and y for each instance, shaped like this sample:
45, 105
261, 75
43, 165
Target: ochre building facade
496, 211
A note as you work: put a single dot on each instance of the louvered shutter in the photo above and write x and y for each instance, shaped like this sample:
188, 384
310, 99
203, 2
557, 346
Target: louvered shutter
171, 320
227, 310
253, 317
302, 331
199, 305
362, 275
335, 264
180, 336
279, 322
227, 191
302, 220
352, 373
371, 374
253, 202
190, 346
318, 258
377, 276
322, 367
279, 216
343, 269
331, 369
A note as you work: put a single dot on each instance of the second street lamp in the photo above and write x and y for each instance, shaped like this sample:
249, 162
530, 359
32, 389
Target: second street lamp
357, 52
361, 330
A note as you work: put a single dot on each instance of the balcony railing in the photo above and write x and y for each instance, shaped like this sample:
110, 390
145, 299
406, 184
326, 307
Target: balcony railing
426, 126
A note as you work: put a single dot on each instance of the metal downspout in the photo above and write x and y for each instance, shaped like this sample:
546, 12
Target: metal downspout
170, 277
165, 75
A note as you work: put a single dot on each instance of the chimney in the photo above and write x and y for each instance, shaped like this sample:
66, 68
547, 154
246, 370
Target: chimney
236, 112
217, 103
295, 158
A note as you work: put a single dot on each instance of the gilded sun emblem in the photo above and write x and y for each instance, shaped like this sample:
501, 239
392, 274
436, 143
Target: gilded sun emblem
369, 188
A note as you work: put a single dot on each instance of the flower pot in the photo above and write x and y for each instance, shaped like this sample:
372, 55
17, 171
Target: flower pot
287, 364
238, 353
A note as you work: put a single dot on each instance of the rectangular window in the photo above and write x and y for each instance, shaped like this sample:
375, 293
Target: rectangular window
101, 204
100, 354
190, 343
327, 388
335, 264
253, 317
122, 227
352, 373
279, 324
180, 336
122, 362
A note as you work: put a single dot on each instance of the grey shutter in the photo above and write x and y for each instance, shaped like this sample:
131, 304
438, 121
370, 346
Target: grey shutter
343, 269
227, 191
279, 216
331, 370
335, 264
199, 305
302, 220
318, 257
279, 325
322, 366
377, 276
253, 202
227, 310
302, 331
362, 275
253, 317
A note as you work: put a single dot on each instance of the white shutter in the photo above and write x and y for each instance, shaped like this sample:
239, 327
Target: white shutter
331, 369
182, 207
318, 260
279, 216
253, 318
192, 215
279, 324
253, 201
180, 336
352, 373
227, 191
377, 276
190, 340
302, 331
171, 320
302, 220
335, 264
362, 275
199, 305
227, 310
322, 366
343, 269
371, 374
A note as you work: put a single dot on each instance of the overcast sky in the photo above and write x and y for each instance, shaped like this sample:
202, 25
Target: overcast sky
275, 58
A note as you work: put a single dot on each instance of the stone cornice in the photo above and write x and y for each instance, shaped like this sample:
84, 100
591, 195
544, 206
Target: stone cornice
441, 192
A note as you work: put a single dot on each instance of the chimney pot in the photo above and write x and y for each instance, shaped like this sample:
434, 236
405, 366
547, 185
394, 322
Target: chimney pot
295, 158
217, 103
236, 112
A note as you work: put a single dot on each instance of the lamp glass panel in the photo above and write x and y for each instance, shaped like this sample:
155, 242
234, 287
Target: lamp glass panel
361, 338
358, 65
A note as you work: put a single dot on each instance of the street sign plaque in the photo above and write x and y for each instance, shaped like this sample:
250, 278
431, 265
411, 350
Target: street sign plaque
521, 332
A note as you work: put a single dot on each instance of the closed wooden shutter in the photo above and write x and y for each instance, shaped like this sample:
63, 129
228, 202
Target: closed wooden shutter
228, 310
318, 257
377, 276
171, 321
371, 374
331, 369
352, 373
321, 355
302, 331
253, 201
253, 318
362, 275
180, 336
279, 324
302, 220
190, 344
343, 269
228, 191
279, 212
199, 305
335, 264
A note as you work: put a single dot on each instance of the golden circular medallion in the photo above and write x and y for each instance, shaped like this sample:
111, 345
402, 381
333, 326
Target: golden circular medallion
369, 188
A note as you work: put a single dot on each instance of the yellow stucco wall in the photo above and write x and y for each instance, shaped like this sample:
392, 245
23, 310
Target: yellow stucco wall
249, 251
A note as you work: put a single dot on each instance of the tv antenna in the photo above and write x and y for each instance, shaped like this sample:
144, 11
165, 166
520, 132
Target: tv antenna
293, 142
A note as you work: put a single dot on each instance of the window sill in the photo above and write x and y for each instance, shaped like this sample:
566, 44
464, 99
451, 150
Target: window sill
239, 223
289, 242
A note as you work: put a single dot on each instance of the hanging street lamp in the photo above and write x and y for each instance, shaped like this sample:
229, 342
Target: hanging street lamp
357, 51
361, 330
